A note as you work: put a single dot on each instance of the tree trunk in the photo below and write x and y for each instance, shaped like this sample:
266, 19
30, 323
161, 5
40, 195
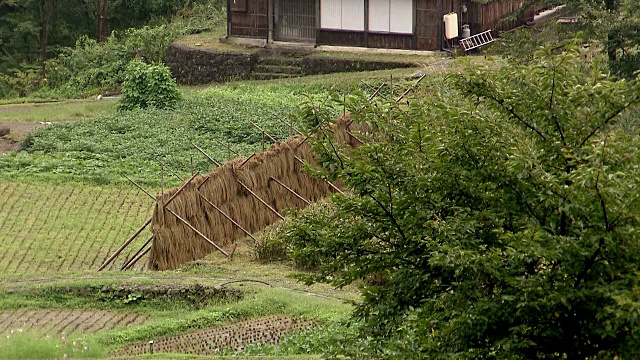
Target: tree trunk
102, 12
105, 28
44, 34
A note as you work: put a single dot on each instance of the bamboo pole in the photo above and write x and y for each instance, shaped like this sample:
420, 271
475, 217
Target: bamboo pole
140, 256
207, 155
197, 232
126, 263
259, 199
123, 246
227, 216
290, 190
173, 173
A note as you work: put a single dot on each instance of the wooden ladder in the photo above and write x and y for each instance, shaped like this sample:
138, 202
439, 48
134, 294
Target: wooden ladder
477, 40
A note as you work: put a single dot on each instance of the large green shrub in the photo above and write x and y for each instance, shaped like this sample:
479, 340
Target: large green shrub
148, 86
503, 217
92, 67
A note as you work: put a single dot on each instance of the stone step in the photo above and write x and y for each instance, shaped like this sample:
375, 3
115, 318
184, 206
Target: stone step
271, 76
277, 69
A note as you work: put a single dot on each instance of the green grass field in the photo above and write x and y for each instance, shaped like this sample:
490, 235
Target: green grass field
57, 229
63, 111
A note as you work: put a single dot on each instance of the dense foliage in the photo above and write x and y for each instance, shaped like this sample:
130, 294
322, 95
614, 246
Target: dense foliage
497, 221
80, 64
148, 86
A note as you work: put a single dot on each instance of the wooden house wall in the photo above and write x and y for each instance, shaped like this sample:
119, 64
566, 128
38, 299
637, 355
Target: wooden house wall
340, 37
489, 16
428, 24
253, 23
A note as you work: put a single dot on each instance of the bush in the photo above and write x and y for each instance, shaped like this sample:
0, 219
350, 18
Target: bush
502, 211
92, 67
148, 86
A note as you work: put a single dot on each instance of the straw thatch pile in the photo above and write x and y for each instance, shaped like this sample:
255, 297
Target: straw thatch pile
175, 243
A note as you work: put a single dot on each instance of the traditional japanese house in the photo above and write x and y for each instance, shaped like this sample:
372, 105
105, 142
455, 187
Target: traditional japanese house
392, 24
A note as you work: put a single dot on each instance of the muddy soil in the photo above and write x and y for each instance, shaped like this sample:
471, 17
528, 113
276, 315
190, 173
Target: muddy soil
17, 132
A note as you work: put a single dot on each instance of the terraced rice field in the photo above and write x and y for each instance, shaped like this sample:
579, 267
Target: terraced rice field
69, 321
266, 330
53, 229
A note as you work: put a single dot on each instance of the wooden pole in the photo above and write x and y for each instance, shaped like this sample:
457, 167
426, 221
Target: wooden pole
227, 217
264, 132
290, 190
411, 88
161, 202
262, 201
181, 188
355, 137
126, 263
375, 93
136, 259
289, 125
123, 246
327, 181
171, 172
141, 188
207, 155
197, 232
126, 243
228, 146
246, 160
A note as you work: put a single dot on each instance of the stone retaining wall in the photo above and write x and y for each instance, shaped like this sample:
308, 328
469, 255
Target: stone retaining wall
191, 66
197, 66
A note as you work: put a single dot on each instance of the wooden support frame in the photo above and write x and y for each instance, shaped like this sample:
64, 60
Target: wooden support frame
126, 263
290, 126
207, 155
227, 217
259, 199
290, 190
123, 246
246, 160
137, 258
126, 243
264, 132
325, 180
198, 232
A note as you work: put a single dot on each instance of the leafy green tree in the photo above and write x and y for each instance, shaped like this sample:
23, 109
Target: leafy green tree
497, 221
